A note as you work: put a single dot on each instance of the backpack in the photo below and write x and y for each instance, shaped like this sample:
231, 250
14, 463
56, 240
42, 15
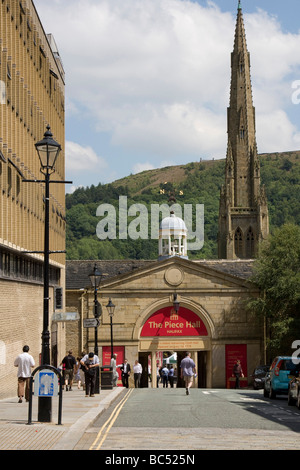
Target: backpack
89, 371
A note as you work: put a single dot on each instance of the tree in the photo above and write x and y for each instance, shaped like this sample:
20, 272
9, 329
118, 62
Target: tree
277, 274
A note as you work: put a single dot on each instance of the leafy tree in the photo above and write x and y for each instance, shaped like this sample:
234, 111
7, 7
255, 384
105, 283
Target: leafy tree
277, 274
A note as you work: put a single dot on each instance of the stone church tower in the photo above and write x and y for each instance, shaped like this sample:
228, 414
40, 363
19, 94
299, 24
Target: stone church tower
243, 213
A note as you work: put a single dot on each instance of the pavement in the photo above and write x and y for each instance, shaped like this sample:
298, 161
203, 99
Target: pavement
78, 413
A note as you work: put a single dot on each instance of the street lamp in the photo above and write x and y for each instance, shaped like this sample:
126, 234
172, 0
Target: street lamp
48, 150
95, 278
111, 309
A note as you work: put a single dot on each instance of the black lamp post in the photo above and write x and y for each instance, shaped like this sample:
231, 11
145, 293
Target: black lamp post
111, 310
48, 150
95, 278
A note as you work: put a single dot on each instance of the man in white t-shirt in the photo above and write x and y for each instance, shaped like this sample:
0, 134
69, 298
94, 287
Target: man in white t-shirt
24, 362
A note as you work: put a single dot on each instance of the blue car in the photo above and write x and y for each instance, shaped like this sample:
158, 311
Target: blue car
277, 379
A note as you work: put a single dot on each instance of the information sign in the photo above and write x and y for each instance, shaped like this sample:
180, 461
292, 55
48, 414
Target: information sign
46, 384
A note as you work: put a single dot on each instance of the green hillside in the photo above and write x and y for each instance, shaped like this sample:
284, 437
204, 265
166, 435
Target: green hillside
194, 183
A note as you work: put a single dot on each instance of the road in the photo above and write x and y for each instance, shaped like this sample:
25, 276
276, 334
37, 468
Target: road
207, 419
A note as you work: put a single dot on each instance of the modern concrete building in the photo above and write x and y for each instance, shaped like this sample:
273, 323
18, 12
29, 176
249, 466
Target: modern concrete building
32, 87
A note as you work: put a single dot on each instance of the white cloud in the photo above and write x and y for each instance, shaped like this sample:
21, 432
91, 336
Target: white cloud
79, 158
155, 74
139, 167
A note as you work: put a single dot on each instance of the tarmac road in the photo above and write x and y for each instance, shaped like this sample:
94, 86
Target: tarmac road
160, 419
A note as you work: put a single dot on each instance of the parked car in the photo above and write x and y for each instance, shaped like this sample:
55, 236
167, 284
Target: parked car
294, 390
258, 377
277, 379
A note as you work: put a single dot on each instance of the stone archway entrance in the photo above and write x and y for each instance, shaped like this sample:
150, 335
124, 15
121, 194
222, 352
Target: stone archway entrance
167, 330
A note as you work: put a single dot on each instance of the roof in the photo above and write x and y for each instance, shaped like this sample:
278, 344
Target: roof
173, 223
77, 271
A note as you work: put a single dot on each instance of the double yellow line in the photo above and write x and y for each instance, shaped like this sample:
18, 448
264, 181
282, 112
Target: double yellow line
109, 423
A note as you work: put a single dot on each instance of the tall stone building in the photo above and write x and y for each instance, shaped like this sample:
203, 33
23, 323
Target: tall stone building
243, 216
31, 97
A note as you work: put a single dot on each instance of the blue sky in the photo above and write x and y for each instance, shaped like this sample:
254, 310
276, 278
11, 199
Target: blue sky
147, 81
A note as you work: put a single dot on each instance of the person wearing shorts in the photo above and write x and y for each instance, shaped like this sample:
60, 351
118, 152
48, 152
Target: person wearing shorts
188, 370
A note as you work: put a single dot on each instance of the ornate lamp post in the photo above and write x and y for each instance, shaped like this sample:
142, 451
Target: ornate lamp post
111, 310
95, 278
48, 150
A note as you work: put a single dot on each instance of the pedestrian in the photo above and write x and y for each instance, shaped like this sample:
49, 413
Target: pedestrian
157, 375
188, 370
115, 375
90, 365
171, 376
81, 370
125, 372
237, 372
77, 372
137, 371
24, 362
165, 375
69, 363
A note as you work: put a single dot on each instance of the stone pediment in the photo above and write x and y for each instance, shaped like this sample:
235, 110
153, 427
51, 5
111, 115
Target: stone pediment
187, 275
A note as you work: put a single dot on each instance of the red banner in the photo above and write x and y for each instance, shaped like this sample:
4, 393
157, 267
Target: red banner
166, 322
106, 357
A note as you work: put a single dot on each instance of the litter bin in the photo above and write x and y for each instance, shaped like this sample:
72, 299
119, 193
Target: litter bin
106, 375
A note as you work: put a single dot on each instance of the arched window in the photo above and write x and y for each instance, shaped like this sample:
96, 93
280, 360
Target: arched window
250, 243
238, 243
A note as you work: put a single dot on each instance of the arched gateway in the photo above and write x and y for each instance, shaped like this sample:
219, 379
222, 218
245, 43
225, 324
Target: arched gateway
163, 329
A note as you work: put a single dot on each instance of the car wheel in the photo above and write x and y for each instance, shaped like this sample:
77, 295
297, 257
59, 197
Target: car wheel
272, 394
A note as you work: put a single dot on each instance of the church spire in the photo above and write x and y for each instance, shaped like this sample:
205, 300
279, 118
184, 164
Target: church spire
241, 194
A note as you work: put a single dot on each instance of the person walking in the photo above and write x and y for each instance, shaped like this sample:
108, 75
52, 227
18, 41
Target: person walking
237, 372
171, 376
137, 371
157, 375
95, 361
77, 372
125, 372
188, 370
81, 370
165, 375
90, 374
69, 363
24, 362
115, 375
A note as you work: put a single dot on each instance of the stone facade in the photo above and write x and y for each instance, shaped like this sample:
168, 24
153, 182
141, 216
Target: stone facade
31, 97
215, 291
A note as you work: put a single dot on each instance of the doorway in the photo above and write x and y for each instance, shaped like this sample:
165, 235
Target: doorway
201, 370
143, 360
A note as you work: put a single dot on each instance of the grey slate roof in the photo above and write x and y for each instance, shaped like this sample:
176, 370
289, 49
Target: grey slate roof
77, 271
